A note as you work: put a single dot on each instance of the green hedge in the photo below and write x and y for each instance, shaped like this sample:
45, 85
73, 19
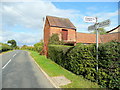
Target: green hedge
57, 53
109, 64
5, 47
81, 60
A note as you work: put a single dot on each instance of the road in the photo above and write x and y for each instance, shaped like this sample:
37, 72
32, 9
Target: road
20, 71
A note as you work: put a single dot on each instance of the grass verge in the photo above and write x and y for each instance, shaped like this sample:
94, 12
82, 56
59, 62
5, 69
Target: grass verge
53, 69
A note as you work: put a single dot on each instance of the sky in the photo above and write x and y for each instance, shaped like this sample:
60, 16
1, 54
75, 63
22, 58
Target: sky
23, 21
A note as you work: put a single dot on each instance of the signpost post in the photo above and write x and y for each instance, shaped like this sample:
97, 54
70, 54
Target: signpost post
95, 27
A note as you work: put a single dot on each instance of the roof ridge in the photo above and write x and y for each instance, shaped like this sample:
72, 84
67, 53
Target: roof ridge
113, 29
57, 17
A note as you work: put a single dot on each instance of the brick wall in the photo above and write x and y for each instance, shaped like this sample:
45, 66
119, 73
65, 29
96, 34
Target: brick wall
46, 38
71, 33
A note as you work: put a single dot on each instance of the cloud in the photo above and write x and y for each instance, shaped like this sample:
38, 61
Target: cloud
21, 37
113, 16
29, 15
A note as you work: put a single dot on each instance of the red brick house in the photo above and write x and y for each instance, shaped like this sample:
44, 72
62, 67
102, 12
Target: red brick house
61, 26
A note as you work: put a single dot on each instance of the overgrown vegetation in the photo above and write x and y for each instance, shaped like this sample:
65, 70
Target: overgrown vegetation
81, 60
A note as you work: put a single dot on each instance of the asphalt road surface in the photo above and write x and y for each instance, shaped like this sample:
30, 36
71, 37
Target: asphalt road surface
20, 71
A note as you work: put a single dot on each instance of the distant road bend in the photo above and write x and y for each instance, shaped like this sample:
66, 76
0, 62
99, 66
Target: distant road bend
20, 71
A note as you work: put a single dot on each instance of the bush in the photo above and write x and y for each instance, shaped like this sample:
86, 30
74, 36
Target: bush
81, 60
109, 64
54, 39
25, 47
38, 46
5, 47
57, 53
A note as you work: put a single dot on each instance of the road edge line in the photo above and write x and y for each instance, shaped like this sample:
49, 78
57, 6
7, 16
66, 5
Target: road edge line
48, 77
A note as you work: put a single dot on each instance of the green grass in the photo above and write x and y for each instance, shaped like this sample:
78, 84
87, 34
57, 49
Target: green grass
53, 69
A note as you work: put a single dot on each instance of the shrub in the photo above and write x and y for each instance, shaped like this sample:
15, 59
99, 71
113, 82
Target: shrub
81, 60
54, 39
5, 47
57, 53
38, 46
109, 63
25, 47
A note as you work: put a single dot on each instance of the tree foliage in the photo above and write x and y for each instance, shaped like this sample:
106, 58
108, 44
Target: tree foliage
54, 39
39, 46
25, 47
100, 30
13, 43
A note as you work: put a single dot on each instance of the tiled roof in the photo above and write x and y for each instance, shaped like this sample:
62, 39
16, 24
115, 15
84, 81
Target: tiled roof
91, 38
60, 22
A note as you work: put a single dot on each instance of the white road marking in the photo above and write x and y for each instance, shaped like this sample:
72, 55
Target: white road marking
6, 64
14, 55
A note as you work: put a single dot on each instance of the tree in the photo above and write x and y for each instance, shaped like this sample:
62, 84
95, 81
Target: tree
13, 43
24, 47
100, 30
54, 39
39, 46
